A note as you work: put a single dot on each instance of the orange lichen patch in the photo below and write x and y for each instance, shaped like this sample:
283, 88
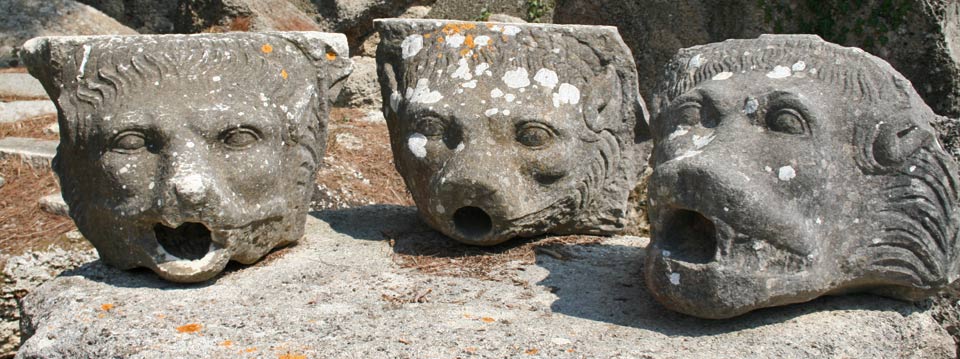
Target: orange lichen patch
570, 350
467, 315
488, 320
292, 356
106, 307
226, 343
161, 316
470, 350
427, 35
331, 55
456, 28
189, 328
440, 39
464, 52
532, 351
469, 41
266, 48
250, 349
284, 74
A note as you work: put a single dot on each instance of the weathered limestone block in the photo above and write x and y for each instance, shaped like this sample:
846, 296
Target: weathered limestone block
787, 168
340, 293
506, 130
180, 153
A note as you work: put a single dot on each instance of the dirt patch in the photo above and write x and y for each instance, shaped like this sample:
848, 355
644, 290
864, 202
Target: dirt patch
433, 253
23, 225
358, 167
32, 128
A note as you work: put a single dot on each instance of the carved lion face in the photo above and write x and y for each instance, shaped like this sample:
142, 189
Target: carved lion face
495, 142
181, 153
776, 185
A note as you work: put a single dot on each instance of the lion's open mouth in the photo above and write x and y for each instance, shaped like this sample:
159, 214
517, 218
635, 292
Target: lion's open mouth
472, 223
189, 241
688, 236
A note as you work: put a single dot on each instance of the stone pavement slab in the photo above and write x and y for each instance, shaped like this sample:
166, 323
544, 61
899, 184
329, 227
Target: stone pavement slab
22, 110
21, 85
36, 152
339, 293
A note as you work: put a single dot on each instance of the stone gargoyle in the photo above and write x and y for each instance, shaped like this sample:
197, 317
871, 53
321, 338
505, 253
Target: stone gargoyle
180, 153
786, 168
507, 130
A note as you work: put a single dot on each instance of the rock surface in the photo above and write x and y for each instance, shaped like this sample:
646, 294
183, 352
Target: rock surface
25, 19
493, 10
338, 293
360, 89
19, 275
918, 37
243, 15
54, 204
146, 16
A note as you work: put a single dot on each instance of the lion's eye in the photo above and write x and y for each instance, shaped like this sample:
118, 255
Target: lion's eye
129, 142
239, 138
787, 121
430, 127
534, 135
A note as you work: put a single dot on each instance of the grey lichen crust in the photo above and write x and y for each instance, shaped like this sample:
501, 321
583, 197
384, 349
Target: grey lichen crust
786, 168
182, 152
507, 130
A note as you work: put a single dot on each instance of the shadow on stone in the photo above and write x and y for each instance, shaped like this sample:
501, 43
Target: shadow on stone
605, 283
410, 235
98, 271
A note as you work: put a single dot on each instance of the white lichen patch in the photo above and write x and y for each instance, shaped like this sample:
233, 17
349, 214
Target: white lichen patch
511, 30
496, 93
799, 66
417, 144
750, 105
786, 173
216, 79
491, 112
470, 84
481, 41
675, 278
779, 72
695, 62
509, 97
422, 93
481, 67
462, 71
516, 78
566, 94
455, 40
411, 46
546, 78
722, 76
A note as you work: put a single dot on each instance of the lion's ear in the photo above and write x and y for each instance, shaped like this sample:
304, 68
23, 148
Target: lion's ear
603, 101
894, 144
